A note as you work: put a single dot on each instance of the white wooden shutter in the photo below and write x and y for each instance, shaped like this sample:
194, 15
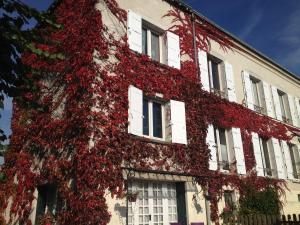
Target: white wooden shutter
230, 82
293, 110
268, 99
178, 122
257, 154
276, 103
212, 146
278, 159
238, 150
134, 31
202, 59
297, 101
288, 160
173, 50
135, 112
248, 89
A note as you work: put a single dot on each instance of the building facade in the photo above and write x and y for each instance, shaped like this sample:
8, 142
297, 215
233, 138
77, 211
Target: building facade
238, 77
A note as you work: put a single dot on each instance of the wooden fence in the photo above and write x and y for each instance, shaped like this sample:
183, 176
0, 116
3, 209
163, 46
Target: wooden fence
263, 220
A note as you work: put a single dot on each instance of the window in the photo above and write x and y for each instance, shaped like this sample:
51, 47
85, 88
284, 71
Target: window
268, 157
257, 92
153, 118
157, 203
285, 107
295, 158
46, 201
151, 42
217, 84
222, 145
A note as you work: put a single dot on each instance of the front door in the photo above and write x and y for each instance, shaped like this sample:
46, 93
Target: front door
156, 203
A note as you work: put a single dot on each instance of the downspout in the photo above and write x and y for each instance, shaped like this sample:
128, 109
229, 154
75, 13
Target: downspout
195, 44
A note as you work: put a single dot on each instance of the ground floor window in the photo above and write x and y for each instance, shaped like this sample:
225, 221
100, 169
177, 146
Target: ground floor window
157, 203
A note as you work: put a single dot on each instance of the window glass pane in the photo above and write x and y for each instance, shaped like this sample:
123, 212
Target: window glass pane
266, 157
228, 197
224, 153
215, 75
155, 46
255, 93
281, 104
144, 41
157, 120
145, 117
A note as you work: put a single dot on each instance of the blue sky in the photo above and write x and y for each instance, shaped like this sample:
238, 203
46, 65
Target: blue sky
272, 27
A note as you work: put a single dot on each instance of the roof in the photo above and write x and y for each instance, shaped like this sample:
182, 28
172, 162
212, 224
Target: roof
188, 8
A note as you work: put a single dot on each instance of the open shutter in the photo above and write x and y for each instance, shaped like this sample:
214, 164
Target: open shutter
212, 146
257, 154
288, 160
230, 82
204, 76
178, 122
278, 159
134, 31
268, 99
297, 101
276, 103
248, 90
173, 50
135, 112
293, 109
238, 150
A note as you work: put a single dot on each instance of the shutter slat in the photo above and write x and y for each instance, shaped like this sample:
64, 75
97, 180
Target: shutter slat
230, 82
257, 154
288, 160
268, 99
248, 90
173, 50
238, 150
135, 111
134, 31
276, 103
178, 122
210, 141
278, 159
204, 76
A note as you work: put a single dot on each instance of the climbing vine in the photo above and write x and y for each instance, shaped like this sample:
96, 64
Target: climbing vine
74, 131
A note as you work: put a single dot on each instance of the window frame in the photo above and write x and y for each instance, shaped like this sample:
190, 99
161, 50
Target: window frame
150, 118
260, 106
271, 157
219, 149
285, 107
152, 29
295, 160
222, 91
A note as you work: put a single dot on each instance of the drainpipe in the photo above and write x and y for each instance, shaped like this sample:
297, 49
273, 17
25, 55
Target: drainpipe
195, 44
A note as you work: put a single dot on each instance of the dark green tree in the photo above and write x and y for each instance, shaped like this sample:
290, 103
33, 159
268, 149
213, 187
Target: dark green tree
14, 40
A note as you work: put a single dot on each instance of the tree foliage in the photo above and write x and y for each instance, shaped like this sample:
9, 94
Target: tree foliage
14, 40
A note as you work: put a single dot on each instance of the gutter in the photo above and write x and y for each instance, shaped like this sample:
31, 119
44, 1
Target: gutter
184, 6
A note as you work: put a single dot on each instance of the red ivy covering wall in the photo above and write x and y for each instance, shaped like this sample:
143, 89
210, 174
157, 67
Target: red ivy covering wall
76, 134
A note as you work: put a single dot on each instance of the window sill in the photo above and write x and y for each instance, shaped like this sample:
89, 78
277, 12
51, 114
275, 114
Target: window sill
151, 140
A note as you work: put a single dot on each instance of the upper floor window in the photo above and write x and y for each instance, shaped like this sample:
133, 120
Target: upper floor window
146, 38
295, 159
257, 95
151, 43
284, 106
222, 141
153, 118
217, 81
268, 157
